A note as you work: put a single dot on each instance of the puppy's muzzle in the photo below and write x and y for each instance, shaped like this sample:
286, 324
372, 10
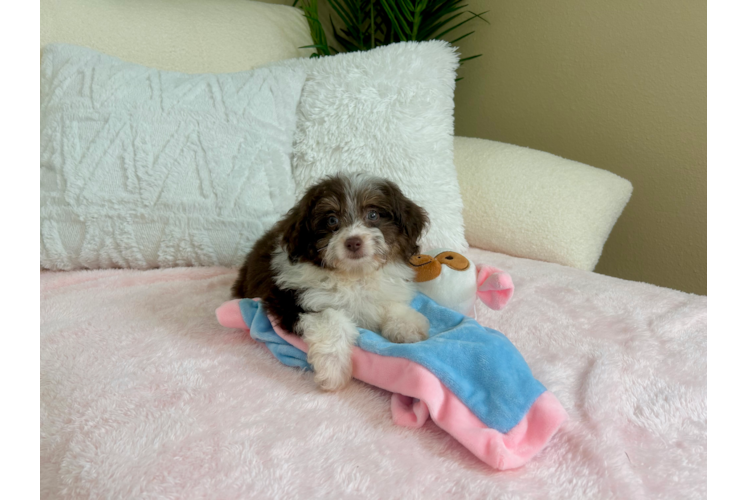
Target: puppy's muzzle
354, 246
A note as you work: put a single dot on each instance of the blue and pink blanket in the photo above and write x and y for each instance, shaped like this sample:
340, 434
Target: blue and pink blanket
469, 379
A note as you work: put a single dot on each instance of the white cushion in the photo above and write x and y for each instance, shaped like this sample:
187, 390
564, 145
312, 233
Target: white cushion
191, 36
389, 112
531, 204
144, 168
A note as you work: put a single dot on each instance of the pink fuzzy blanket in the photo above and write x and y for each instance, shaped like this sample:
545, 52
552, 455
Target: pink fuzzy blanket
144, 395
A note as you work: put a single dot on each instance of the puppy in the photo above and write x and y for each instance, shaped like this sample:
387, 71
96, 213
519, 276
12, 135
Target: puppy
338, 260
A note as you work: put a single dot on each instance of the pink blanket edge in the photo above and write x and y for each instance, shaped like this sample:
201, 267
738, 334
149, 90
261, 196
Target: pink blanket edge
418, 394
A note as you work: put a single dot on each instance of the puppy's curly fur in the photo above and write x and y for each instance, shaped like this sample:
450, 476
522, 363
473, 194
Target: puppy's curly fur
338, 260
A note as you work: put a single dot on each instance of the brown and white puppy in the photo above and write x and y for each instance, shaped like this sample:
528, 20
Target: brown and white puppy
338, 260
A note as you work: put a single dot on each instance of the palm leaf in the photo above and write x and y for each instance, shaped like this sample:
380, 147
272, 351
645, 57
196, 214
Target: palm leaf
366, 24
434, 14
460, 24
469, 58
396, 17
460, 38
311, 13
438, 24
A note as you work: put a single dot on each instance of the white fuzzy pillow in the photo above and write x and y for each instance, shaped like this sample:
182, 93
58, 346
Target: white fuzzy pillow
144, 168
389, 112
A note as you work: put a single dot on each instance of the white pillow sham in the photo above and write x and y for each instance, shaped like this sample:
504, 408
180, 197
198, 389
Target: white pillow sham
144, 168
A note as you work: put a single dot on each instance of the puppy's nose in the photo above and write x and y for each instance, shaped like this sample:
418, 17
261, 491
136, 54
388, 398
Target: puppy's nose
353, 243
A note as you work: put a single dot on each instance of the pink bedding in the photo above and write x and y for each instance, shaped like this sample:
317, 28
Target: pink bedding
144, 395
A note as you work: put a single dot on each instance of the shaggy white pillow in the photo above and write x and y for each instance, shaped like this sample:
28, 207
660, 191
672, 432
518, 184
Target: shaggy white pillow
388, 112
144, 168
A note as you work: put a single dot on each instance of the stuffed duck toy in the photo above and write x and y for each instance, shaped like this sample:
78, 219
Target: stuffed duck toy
452, 280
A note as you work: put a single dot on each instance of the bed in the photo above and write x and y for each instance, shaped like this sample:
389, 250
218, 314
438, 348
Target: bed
144, 395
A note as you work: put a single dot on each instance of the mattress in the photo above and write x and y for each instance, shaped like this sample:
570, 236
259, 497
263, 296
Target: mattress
144, 395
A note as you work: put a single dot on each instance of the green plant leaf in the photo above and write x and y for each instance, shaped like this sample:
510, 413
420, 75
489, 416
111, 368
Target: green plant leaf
393, 19
460, 38
311, 13
429, 33
347, 44
340, 11
366, 24
459, 24
469, 58
405, 10
480, 16
433, 14
401, 9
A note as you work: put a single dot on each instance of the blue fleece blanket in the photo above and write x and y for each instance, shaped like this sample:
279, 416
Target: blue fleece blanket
479, 365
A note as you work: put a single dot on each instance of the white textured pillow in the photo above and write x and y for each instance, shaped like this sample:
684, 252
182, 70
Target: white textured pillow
537, 205
144, 168
389, 112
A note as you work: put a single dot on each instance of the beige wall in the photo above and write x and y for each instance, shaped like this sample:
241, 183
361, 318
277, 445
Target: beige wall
618, 85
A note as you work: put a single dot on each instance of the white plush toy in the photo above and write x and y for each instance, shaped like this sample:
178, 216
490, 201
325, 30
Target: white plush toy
454, 281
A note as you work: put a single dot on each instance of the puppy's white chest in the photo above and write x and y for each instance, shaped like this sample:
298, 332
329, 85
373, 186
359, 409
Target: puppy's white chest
361, 298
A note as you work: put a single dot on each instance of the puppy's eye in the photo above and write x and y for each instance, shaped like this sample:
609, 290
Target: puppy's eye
372, 215
332, 221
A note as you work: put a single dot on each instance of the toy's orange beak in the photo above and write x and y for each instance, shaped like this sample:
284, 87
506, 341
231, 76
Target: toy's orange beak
426, 267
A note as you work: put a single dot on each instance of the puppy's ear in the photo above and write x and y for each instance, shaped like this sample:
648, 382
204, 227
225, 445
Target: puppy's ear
411, 219
298, 233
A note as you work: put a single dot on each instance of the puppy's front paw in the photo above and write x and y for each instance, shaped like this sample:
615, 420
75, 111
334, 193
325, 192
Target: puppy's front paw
405, 326
330, 335
331, 372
